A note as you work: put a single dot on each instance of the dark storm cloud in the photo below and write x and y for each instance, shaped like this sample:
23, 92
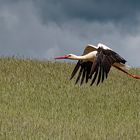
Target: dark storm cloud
47, 28
89, 10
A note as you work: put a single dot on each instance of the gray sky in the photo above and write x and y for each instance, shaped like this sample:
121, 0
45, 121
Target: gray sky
47, 28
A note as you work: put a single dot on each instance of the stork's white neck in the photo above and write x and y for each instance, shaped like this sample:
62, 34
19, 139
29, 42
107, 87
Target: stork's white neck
89, 56
76, 57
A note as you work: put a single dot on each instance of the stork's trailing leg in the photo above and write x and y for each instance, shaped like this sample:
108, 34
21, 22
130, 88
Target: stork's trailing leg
129, 74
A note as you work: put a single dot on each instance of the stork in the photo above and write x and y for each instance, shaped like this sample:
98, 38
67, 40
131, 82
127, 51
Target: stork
96, 61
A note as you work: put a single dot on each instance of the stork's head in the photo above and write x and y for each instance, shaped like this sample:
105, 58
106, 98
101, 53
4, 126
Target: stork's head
68, 56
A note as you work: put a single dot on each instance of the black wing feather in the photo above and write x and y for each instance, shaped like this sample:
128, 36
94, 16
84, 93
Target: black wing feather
103, 73
95, 76
83, 75
79, 75
75, 69
99, 76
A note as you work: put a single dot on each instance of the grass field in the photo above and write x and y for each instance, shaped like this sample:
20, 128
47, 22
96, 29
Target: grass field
38, 102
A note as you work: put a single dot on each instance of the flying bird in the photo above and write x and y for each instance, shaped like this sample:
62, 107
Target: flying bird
95, 64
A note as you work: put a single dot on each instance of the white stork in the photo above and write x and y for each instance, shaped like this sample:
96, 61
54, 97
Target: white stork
97, 61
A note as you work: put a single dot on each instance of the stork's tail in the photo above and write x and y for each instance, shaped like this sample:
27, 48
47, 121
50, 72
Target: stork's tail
129, 74
127, 67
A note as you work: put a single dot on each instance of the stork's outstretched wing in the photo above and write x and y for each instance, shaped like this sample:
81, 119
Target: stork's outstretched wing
84, 72
89, 48
102, 64
99, 68
85, 67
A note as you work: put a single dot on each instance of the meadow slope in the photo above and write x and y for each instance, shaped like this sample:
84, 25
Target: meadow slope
37, 101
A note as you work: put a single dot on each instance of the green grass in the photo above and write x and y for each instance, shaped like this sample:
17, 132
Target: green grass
37, 101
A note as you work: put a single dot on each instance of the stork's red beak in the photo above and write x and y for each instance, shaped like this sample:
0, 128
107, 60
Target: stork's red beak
62, 57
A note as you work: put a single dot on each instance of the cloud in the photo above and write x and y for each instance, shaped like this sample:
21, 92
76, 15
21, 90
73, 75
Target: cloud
44, 29
89, 10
